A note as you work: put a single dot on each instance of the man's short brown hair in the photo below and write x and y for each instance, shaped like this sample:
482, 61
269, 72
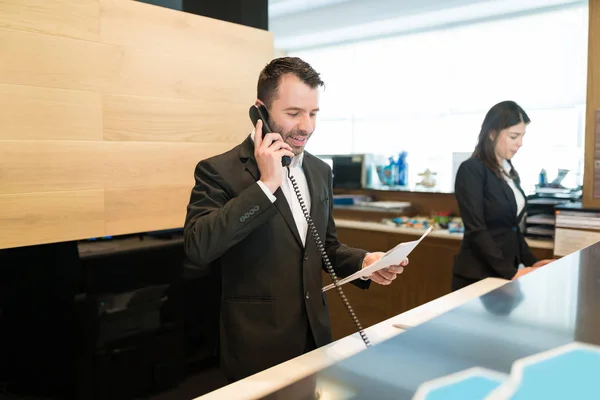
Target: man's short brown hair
270, 77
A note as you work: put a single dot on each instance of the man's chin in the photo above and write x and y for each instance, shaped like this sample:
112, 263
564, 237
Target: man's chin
297, 150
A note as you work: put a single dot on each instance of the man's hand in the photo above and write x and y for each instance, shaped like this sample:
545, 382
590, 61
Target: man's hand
268, 152
386, 275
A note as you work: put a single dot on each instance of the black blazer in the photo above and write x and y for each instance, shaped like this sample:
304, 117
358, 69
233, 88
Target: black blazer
493, 244
271, 297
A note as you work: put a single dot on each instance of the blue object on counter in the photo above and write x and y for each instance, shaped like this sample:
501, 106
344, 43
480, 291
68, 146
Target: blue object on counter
402, 168
543, 180
387, 173
349, 199
344, 201
456, 227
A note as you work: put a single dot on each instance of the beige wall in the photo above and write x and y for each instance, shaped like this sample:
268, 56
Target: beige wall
106, 106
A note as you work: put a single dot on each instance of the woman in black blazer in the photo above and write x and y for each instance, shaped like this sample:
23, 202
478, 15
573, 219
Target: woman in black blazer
492, 204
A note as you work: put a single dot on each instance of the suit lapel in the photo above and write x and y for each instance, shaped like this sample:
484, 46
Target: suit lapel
312, 180
250, 166
524, 210
247, 158
509, 195
284, 209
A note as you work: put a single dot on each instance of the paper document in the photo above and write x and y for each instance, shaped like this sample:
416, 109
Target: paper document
393, 257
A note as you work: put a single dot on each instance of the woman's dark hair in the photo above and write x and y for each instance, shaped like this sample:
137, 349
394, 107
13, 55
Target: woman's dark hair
501, 116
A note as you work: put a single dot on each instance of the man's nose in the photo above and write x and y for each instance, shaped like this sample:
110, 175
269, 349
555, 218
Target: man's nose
306, 124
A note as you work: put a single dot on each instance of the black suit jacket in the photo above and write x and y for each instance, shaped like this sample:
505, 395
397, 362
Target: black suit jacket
493, 244
271, 300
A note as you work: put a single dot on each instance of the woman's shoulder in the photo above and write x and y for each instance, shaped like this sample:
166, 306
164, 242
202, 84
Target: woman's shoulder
472, 170
474, 164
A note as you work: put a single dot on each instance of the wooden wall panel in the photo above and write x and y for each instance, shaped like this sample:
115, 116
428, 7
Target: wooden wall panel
136, 118
593, 104
163, 30
106, 107
80, 65
35, 59
50, 165
128, 211
47, 166
39, 218
28, 112
73, 18
142, 164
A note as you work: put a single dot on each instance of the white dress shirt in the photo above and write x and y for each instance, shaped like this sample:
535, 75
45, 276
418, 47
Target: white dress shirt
518, 195
290, 195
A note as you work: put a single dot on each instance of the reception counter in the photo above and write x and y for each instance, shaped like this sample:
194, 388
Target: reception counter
480, 340
275, 378
426, 278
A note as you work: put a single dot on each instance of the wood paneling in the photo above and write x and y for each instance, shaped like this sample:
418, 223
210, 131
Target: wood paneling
593, 104
47, 166
142, 164
81, 65
128, 211
29, 166
28, 112
106, 107
36, 218
158, 119
35, 59
73, 18
125, 23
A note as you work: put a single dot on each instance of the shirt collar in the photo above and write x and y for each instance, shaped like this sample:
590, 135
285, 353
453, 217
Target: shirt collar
297, 161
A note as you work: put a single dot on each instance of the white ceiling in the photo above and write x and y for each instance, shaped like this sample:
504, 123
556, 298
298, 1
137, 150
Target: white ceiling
298, 24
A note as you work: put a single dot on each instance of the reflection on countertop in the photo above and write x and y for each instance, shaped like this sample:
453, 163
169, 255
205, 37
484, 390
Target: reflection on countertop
440, 233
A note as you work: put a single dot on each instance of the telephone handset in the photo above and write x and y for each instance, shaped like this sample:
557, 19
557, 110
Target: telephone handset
260, 112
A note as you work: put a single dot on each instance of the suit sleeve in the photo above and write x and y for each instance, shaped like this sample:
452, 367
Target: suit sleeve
469, 191
344, 259
215, 220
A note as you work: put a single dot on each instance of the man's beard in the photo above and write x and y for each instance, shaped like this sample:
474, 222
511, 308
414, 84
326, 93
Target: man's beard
293, 133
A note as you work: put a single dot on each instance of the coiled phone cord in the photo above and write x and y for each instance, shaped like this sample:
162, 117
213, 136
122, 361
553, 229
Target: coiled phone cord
319, 243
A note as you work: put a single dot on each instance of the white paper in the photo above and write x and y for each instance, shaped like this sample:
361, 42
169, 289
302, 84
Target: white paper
393, 257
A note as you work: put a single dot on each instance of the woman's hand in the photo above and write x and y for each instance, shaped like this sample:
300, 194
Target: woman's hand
541, 263
523, 271
526, 270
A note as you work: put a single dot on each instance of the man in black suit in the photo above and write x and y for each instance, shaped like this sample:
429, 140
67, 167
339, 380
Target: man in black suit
245, 220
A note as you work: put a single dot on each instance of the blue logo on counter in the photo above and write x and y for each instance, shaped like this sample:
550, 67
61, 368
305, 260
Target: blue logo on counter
567, 372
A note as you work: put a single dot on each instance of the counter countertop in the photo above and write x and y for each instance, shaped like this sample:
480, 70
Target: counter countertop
441, 233
508, 335
274, 378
